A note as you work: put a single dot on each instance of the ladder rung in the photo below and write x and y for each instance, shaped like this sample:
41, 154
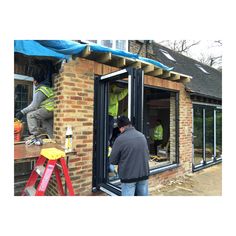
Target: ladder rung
30, 191
40, 170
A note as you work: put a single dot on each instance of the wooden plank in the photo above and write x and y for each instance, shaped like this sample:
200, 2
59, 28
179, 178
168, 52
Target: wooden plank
136, 64
22, 151
148, 68
165, 75
185, 79
105, 57
156, 72
119, 62
86, 52
174, 77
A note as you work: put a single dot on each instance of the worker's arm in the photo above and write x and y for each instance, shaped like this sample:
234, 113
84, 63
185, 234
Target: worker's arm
122, 94
37, 99
115, 153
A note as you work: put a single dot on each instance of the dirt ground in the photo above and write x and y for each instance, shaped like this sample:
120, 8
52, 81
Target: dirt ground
206, 182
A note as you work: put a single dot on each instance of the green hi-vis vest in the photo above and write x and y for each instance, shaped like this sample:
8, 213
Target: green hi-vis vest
114, 99
158, 133
49, 102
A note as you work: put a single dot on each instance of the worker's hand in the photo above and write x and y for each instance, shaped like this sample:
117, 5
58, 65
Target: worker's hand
19, 115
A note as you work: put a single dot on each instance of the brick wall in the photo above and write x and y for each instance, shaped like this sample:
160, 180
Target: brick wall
74, 106
74, 90
146, 50
185, 135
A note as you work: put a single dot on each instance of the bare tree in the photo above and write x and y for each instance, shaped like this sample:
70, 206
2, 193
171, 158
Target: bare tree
210, 59
207, 57
214, 60
181, 46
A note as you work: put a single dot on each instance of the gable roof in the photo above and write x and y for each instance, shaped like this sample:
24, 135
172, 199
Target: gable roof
204, 84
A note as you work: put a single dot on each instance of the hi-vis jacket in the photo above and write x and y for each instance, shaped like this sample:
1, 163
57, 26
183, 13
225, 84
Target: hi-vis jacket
48, 104
158, 132
114, 99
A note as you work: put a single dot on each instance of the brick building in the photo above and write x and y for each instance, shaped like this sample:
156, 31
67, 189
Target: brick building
82, 86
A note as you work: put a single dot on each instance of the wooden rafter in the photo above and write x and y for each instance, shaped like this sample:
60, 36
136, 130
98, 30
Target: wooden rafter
86, 52
105, 57
148, 68
166, 74
120, 62
156, 72
174, 77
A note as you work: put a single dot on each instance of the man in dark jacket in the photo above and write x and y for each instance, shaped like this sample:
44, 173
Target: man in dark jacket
130, 152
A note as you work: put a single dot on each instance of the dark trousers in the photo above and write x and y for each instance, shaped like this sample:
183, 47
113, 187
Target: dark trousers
156, 144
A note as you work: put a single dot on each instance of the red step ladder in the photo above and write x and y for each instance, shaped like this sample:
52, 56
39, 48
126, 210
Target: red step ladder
53, 157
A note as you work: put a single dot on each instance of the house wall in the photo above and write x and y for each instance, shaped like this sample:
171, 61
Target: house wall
74, 89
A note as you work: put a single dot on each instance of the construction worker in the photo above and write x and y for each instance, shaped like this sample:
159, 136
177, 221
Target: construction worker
130, 152
115, 95
41, 108
158, 135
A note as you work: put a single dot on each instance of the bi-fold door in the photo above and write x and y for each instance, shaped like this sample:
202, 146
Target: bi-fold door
131, 105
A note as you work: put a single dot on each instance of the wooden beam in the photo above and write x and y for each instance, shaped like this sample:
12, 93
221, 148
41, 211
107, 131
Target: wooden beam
136, 64
148, 68
166, 74
174, 77
185, 79
119, 62
156, 72
86, 52
105, 57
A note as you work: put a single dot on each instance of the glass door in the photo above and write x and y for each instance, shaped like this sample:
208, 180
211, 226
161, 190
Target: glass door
218, 114
198, 135
117, 93
209, 134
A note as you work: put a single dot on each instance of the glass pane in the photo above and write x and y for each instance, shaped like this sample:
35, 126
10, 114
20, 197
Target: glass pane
118, 105
209, 134
107, 43
121, 44
93, 41
198, 136
21, 97
159, 126
218, 133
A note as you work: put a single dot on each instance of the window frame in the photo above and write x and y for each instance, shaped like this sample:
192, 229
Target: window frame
101, 85
24, 80
170, 166
113, 44
215, 159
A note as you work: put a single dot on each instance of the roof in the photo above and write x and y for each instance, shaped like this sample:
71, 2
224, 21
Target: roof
205, 84
113, 57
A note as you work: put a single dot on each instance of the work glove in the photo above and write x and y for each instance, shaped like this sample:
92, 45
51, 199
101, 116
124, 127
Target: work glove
19, 115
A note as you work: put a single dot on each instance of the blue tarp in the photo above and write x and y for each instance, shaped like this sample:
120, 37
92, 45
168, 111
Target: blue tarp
33, 48
63, 48
67, 47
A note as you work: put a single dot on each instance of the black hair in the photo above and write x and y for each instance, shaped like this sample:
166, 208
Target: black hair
123, 121
39, 74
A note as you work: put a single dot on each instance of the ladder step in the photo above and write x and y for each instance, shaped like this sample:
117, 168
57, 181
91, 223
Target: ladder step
40, 170
30, 191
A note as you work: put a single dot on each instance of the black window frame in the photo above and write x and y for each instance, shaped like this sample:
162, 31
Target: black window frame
170, 166
101, 88
215, 160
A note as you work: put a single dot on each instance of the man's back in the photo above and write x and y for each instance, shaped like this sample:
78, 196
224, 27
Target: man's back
130, 151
